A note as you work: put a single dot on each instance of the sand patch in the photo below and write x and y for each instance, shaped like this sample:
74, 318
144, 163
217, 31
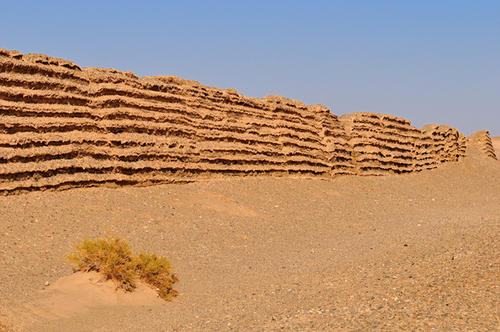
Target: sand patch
80, 292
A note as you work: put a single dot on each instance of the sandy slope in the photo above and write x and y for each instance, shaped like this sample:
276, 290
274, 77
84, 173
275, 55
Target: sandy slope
394, 252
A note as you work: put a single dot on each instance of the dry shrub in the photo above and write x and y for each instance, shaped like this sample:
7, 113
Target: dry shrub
155, 271
114, 259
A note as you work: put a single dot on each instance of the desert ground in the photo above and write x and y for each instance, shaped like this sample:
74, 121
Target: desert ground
398, 252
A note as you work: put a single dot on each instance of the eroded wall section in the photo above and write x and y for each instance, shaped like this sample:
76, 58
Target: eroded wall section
481, 142
65, 126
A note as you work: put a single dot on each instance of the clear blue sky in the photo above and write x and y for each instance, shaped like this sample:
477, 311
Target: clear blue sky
427, 61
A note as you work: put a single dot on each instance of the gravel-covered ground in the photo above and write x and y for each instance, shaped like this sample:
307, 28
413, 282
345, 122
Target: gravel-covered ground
413, 252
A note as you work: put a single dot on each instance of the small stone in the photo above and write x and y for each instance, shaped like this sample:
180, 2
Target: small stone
47, 283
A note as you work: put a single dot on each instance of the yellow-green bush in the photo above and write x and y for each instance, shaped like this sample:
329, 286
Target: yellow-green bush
114, 259
155, 271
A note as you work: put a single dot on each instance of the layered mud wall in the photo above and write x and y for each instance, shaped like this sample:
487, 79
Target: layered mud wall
448, 144
382, 144
481, 142
64, 126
